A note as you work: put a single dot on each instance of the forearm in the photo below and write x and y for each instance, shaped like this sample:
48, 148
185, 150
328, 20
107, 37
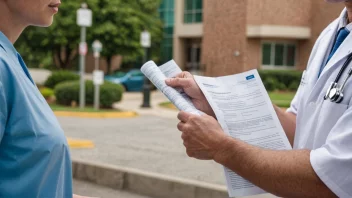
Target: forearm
288, 122
283, 173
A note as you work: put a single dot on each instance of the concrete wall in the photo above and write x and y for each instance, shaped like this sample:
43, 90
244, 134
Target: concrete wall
225, 26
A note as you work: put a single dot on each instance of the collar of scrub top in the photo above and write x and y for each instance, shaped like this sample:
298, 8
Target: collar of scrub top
6, 44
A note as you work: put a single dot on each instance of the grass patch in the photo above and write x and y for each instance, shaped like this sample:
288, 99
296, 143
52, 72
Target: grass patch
282, 95
56, 107
281, 99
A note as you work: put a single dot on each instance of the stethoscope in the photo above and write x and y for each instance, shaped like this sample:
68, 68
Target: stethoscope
335, 92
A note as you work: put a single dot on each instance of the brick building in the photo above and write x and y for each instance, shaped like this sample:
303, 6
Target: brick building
220, 37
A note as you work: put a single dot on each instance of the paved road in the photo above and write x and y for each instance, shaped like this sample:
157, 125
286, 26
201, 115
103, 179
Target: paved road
91, 190
148, 143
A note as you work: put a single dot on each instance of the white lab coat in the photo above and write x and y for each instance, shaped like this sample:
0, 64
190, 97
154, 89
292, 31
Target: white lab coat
322, 126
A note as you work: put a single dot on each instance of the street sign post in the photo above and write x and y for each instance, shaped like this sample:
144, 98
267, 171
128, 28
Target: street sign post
83, 49
146, 43
98, 75
145, 39
84, 20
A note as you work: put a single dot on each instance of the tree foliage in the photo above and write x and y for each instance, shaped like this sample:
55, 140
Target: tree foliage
117, 24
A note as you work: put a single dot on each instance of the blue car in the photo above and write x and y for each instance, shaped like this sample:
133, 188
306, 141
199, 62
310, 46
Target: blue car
132, 80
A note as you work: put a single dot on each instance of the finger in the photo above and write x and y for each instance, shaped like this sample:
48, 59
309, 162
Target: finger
184, 74
179, 82
184, 137
181, 126
184, 116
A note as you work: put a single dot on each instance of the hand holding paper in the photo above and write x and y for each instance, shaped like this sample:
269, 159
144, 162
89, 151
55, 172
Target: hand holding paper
202, 135
186, 82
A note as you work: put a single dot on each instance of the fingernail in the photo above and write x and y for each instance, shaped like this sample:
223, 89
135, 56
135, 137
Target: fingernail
168, 80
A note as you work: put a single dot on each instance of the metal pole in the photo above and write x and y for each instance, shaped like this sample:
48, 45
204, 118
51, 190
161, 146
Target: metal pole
146, 86
97, 87
82, 98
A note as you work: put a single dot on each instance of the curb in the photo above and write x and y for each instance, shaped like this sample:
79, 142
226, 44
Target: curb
145, 183
127, 114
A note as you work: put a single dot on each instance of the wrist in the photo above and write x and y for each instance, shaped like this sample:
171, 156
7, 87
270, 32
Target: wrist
224, 150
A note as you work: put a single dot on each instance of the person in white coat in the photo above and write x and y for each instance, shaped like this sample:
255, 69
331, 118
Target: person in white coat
318, 125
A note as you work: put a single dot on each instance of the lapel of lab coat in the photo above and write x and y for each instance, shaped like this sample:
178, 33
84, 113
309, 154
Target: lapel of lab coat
337, 60
319, 57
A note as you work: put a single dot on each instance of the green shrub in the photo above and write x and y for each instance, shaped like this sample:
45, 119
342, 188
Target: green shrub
67, 92
59, 77
270, 84
280, 79
46, 92
293, 86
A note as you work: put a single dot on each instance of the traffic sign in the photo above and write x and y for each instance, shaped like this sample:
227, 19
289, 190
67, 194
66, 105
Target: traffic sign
97, 46
84, 17
98, 77
145, 39
83, 48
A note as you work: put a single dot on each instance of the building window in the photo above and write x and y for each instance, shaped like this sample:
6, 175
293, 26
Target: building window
279, 55
166, 12
193, 11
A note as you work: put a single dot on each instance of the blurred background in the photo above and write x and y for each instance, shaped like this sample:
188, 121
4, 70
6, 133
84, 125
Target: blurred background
205, 37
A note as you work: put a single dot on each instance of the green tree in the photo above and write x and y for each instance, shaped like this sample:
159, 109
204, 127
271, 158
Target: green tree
117, 24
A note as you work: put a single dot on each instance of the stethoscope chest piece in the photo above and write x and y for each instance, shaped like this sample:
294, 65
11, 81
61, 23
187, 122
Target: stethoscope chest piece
336, 95
335, 92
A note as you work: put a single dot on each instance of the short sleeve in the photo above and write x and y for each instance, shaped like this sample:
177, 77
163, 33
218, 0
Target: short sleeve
333, 161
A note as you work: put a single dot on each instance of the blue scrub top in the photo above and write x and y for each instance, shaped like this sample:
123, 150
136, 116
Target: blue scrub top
34, 154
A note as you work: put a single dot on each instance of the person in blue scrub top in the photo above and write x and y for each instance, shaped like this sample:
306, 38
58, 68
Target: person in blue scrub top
34, 154
318, 125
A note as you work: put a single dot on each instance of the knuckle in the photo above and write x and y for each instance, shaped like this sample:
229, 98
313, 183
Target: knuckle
191, 119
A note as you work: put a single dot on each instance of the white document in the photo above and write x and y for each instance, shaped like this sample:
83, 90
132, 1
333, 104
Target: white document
244, 110
158, 75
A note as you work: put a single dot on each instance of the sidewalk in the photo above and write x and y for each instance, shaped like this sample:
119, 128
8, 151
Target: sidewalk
132, 101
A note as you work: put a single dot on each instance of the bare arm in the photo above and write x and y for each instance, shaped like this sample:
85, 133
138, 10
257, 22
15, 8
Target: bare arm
288, 122
283, 173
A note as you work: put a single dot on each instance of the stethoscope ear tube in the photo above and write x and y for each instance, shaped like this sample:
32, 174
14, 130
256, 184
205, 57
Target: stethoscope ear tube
335, 93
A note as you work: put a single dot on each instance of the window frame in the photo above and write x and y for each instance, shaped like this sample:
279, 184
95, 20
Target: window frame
273, 43
166, 10
166, 47
193, 12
